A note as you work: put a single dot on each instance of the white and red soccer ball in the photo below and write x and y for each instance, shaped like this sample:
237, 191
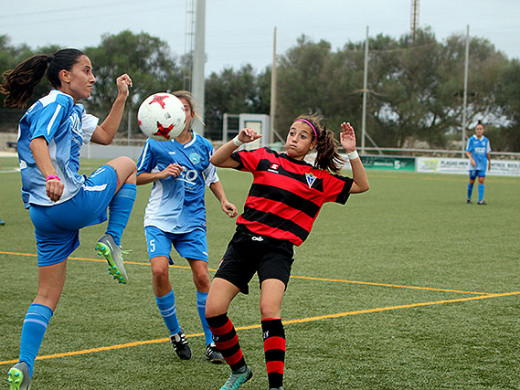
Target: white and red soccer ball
161, 116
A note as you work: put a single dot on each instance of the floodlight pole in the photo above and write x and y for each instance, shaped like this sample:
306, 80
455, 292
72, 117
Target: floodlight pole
199, 58
272, 111
465, 97
365, 90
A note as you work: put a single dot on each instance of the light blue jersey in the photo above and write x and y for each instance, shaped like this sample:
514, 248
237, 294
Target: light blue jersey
65, 126
176, 205
479, 149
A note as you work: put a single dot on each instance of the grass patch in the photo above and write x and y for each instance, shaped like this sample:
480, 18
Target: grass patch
377, 299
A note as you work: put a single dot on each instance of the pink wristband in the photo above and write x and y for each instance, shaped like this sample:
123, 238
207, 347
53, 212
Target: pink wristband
52, 177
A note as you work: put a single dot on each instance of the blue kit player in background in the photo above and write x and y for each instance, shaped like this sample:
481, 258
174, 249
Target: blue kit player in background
176, 215
59, 199
478, 151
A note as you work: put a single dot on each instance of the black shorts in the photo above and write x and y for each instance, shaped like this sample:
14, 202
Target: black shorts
248, 254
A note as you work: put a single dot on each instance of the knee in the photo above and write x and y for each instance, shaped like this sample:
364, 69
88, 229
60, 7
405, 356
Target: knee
212, 311
132, 166
269, 311
202, 281
160, 276
129, 162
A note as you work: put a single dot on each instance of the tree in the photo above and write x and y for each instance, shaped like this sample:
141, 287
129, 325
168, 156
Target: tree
508, 99
146, 59
234, 92
301, 80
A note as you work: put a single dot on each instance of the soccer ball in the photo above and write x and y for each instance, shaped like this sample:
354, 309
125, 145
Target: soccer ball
161, 116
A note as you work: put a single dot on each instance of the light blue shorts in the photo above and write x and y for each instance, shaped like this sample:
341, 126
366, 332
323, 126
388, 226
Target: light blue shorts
57, 227
476, 172
192, 245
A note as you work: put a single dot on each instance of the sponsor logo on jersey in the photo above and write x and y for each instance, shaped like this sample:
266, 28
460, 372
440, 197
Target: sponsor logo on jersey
274, 168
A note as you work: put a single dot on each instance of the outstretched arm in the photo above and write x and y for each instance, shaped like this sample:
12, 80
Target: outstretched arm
348, 141
105, 132
227, 207
222, 156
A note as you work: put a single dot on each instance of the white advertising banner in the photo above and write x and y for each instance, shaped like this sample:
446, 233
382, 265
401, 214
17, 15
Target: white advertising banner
460, 165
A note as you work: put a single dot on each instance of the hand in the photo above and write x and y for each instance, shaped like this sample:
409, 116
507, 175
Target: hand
247, 135
54, 189
229, 208
123, 82
473, 163
348, 137
173, 170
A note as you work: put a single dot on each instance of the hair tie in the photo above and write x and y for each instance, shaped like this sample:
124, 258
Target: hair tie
49, 59
310, 124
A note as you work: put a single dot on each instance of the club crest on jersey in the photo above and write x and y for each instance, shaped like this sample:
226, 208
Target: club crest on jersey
194, 158
310, 179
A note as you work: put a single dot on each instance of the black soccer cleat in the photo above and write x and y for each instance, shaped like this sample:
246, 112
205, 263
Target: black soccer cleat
181, 346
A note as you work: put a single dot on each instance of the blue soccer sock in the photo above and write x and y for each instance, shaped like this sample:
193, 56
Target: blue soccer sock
166, 305
201, 308
119, 211
480, 192
33, 330
470, 190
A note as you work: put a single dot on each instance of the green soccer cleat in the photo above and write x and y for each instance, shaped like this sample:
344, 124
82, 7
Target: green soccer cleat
238, 378
18, 377
112, 252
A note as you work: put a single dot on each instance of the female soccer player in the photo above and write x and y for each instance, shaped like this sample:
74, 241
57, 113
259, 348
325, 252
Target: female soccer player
176, 214
59, 199
284, 200
478, 151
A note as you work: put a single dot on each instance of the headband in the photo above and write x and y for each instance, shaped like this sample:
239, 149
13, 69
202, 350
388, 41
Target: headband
310, 124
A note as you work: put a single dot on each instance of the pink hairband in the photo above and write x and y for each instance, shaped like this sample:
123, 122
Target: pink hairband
310, 124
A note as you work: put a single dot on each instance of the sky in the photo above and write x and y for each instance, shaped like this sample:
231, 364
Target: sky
240, 32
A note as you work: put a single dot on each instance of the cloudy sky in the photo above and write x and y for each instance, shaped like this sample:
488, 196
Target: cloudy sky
241, 31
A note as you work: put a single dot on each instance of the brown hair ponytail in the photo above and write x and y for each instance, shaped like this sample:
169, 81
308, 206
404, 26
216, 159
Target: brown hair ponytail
327, 156
19, 82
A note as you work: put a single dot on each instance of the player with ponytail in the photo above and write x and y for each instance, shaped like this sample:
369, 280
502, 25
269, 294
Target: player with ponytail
59, 199
284, 200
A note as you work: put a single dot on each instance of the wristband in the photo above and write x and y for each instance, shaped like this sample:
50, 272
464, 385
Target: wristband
52, 177
353, 155
236, 141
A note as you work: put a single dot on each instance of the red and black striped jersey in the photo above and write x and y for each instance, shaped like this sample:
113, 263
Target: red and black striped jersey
287, 194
